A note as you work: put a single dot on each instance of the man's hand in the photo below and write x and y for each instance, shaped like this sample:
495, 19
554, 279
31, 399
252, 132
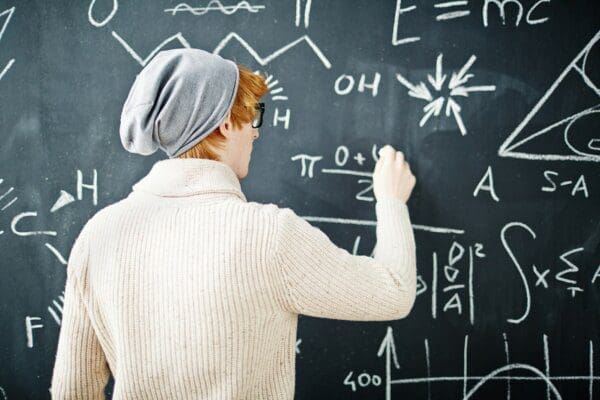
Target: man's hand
392, 176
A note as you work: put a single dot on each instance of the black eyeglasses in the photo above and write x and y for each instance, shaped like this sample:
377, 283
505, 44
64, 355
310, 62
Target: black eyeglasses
258, 119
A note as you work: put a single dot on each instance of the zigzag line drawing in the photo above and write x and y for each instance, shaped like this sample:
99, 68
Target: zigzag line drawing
232, 35
143, 62
578, 66
265, 60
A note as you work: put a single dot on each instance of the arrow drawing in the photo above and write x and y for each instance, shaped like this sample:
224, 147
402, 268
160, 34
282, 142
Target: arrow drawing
455, 88
439, 79
388, 348
419, 91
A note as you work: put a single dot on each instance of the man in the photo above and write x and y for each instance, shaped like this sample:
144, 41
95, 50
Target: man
184, 289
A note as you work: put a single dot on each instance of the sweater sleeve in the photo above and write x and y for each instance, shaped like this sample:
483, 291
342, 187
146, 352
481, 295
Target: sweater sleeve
323, 280
80, 369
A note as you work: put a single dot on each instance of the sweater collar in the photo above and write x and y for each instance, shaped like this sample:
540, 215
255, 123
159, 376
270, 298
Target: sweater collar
178, 177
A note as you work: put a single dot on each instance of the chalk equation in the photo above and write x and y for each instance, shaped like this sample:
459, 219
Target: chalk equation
364, 178
447, 292
550, 182
451, 288
456, 284
568, 276
517, 11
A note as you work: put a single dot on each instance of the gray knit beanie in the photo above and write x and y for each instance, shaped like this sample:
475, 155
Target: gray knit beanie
176, 100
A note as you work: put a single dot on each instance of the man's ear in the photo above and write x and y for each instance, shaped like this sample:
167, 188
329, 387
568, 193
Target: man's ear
226, 126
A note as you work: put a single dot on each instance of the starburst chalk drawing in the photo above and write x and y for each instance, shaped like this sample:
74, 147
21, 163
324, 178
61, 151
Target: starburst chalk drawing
455, 87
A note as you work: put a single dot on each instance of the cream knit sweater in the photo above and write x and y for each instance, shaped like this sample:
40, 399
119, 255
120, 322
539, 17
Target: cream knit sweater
185, 290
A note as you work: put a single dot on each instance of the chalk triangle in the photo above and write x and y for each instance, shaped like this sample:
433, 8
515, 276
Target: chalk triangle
572, 103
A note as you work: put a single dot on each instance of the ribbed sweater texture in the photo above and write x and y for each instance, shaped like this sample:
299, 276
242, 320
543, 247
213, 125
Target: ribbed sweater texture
186, 290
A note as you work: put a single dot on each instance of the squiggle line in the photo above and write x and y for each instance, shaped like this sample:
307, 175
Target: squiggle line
214, 5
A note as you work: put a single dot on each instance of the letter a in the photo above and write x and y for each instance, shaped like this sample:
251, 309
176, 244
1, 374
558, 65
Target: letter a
489, 187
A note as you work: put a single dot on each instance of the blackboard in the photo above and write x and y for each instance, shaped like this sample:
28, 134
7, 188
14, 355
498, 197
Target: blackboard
494, 102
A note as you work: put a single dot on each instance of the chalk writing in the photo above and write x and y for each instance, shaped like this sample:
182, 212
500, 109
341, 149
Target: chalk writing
564, 276
450, 274
8, 13
578, 186
341, 160
305, 15
451, 10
